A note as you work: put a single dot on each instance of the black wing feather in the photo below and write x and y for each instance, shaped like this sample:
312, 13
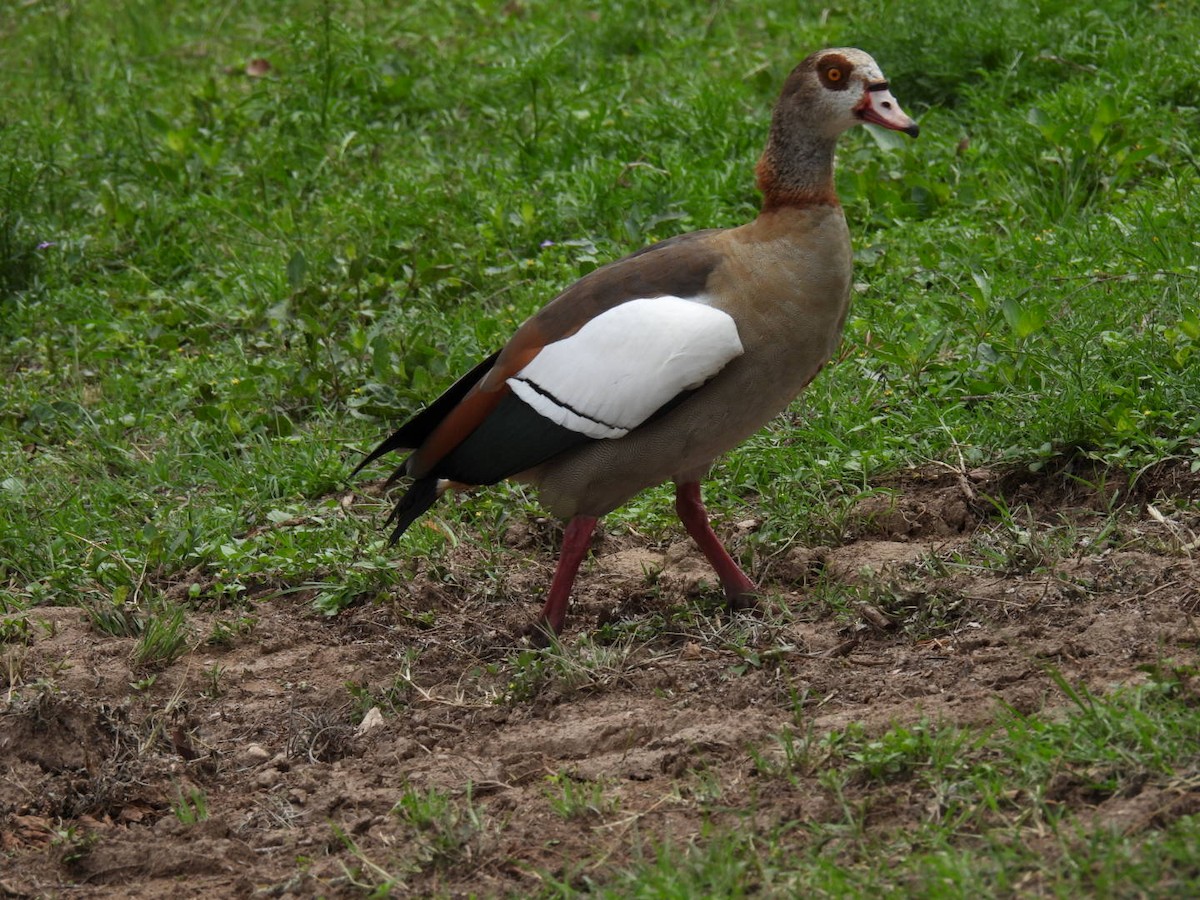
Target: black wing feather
418, 498
412, 434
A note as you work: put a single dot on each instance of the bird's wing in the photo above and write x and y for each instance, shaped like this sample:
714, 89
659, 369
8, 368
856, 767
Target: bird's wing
619, 370
622, 366
677, 267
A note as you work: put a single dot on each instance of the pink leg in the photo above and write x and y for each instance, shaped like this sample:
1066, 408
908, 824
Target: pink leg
576, 540
694, 516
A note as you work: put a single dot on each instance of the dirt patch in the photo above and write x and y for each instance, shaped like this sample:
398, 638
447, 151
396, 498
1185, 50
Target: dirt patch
423, 737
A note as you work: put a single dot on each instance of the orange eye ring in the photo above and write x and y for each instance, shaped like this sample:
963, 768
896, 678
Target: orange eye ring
834, 74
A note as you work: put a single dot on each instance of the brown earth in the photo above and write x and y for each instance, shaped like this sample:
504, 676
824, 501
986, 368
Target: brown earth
302, 734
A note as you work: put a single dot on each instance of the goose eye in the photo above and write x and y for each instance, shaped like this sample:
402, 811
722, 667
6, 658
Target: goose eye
835, 75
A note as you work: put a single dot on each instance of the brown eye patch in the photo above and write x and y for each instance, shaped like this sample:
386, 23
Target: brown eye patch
834, 72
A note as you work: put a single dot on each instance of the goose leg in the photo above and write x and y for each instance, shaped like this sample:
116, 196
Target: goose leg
576, 540
694, 516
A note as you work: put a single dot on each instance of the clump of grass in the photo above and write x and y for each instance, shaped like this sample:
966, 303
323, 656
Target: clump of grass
15, 630
116, 619
226, 632
322, 736
575, 798
579, 666
191, 808
443, 826
163, 638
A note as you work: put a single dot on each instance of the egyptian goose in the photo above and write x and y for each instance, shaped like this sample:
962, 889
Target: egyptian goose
652, 366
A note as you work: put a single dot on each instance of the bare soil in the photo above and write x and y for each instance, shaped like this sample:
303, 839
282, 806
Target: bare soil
301, 733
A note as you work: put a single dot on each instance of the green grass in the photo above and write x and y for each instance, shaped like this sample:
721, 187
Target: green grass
192, 808
216, 288
976, 815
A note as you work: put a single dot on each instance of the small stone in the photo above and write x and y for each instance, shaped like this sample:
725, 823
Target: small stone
255, 754
406, 749
372, 720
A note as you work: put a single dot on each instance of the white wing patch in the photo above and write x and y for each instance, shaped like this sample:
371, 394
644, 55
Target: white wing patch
614, 372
